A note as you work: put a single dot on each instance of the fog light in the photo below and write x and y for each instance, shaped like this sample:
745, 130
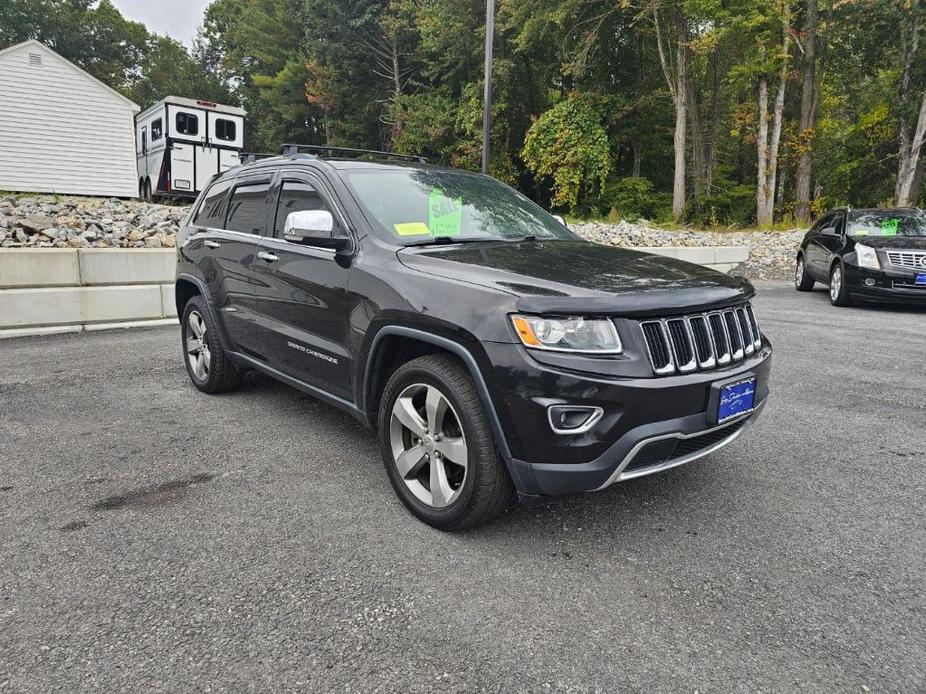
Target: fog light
869, 282
573, 419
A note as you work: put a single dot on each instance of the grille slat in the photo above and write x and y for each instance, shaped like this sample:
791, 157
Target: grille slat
704, 347
733, 333
749, 344
682, 347
658, 345
701, 341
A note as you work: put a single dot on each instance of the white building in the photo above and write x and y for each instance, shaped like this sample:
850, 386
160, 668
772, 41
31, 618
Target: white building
62, 130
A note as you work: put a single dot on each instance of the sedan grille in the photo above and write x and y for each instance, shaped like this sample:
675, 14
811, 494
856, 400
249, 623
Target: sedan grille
914, 260
701, 341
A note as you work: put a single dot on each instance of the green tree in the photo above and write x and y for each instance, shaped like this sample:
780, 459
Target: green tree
569, 144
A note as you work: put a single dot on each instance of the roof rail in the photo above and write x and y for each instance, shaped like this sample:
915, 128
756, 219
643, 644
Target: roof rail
251, 157
290, 150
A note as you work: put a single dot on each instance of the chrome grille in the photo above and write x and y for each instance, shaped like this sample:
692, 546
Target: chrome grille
701, 341
915, 260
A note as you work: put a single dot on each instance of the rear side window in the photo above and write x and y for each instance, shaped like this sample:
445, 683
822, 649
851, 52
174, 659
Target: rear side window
212, 211
187, 124
296, 196
247, 210
157, 130
225, 129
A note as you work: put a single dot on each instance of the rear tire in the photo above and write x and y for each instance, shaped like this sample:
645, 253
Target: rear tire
803, 282
432, 421
209, 367
839, 292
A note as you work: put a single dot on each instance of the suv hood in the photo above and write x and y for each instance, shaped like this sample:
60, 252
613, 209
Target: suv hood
579, 276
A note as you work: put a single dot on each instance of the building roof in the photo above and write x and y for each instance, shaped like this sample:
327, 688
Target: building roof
32, 43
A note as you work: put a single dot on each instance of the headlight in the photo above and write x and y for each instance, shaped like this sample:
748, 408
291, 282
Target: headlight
588, 335
867, 257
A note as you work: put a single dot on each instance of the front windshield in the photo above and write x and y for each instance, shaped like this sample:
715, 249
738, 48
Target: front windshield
887, 223
419, 205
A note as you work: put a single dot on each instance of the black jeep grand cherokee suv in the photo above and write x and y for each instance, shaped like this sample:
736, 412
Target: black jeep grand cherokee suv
492, 349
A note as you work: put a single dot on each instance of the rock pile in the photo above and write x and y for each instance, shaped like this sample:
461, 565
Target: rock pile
46, 221
771, 254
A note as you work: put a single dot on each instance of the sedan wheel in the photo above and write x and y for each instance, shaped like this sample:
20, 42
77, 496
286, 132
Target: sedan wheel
839, 295
835, 283
428, 445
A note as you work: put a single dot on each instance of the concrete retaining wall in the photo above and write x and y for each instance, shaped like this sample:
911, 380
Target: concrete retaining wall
68, 290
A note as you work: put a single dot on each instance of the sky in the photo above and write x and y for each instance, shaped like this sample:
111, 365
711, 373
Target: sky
178, 19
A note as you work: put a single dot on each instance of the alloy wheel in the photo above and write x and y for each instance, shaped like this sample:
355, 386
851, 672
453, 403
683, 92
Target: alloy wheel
799, 272
428, 445
835, 283
197, 346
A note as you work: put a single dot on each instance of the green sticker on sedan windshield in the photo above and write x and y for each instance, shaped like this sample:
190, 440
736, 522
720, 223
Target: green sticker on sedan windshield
889, 227
445, 215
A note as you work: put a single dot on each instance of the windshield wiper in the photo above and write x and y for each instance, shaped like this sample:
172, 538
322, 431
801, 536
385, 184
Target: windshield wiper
447, 240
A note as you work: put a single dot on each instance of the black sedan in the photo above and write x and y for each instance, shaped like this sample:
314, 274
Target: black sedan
868, 255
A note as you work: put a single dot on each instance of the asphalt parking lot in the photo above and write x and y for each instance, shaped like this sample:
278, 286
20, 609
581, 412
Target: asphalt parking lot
156, 539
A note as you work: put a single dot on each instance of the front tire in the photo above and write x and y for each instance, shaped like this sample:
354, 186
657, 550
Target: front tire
209, 367
839, 291
438, 446
803, 282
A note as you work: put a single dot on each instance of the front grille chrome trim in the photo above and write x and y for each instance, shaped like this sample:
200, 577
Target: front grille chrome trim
620, 476
911, 260
704, 341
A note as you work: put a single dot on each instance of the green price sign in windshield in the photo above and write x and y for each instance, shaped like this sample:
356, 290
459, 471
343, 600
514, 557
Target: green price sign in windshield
889, 227
445, 215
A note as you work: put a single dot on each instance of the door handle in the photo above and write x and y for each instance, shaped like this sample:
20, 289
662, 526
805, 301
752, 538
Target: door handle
211, 244
269, 257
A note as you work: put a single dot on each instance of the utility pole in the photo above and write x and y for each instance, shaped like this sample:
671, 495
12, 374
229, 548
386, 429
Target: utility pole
487, 97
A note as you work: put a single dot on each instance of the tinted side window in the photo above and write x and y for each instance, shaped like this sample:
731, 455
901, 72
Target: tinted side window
296, 196
839, 223
247, 210
212, 212
157, 129
822, 223
225, 129
187, 124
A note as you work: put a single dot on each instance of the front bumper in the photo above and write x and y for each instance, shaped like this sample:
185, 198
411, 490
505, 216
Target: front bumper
649, 424
889, 285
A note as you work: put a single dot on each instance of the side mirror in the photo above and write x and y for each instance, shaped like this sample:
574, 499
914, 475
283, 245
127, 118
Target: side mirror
561, 220
829, 231
313, 228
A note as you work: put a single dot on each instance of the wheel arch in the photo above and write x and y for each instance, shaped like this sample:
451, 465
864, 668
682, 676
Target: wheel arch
409, 343
185, 288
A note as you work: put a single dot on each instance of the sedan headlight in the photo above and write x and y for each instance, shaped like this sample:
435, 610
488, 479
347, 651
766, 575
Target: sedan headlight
586, 335
867, 257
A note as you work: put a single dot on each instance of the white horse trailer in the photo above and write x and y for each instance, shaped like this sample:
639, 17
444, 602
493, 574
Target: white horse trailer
181, 143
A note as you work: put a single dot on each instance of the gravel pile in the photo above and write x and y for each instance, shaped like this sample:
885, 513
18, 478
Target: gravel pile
48, 221
771, 255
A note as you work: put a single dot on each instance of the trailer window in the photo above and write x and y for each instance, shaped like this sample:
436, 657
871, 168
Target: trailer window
211, 212
187, 124
247, 211
225, 129
157, 129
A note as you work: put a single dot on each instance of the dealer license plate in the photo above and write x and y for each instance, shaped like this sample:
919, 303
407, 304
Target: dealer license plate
736, 399
921, 279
